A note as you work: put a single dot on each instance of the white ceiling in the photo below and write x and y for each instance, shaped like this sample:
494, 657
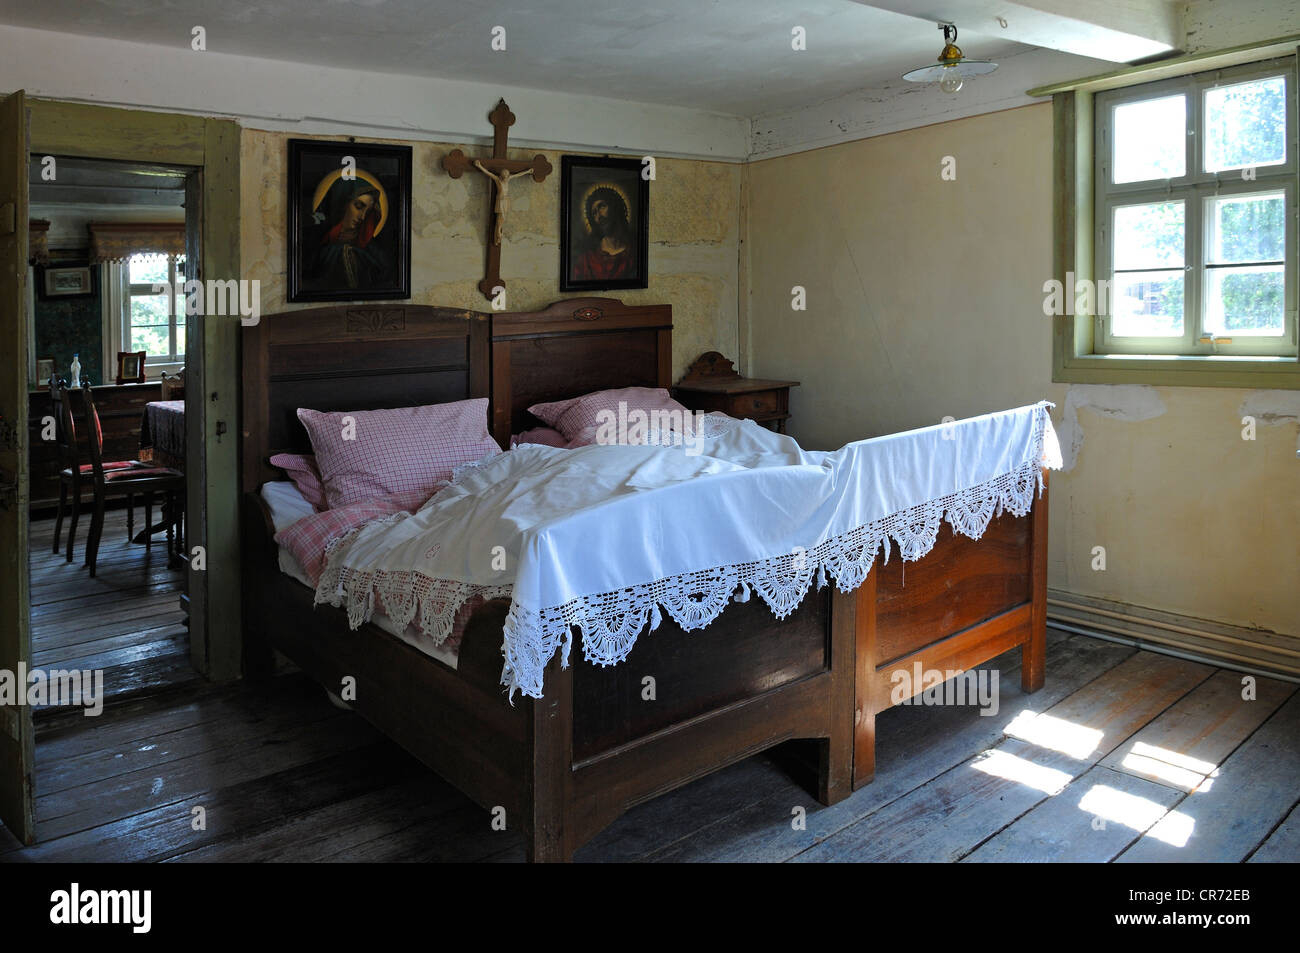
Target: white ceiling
727, 56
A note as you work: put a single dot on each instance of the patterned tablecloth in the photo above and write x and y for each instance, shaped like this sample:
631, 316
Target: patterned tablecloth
162, 433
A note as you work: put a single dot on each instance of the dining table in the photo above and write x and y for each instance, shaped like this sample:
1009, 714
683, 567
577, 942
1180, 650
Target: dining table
162, 433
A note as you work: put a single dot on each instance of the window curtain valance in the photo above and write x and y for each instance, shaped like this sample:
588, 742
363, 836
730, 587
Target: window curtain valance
38, 245
118, 241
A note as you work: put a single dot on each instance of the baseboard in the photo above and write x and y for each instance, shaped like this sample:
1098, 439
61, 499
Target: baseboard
1250, 650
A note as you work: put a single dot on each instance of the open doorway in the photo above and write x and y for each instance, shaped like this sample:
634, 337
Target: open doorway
107, 357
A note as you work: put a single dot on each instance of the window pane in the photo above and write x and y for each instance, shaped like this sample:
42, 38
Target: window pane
150, 328
180, 339
1245, 125
148, 269
1147, 304
1149, 236
1246, 301
151, 339
1150, 139
1246, 228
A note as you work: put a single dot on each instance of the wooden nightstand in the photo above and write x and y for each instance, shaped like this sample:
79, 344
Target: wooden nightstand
712, 383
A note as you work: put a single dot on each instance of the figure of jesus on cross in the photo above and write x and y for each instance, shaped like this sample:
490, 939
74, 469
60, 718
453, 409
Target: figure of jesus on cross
500, 170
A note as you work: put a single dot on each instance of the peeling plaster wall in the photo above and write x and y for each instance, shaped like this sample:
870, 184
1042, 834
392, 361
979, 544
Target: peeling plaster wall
1115, 401
694, 239
925, 299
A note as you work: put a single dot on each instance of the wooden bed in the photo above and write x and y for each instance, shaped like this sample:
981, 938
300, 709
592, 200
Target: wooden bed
566, 766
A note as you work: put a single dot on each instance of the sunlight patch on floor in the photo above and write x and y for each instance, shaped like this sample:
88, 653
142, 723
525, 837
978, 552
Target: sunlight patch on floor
1003, 764
1055, 734
1169, 767
1120, 807
1174, 829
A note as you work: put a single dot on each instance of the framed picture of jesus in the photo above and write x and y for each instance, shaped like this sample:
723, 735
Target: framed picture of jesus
349, 221
604, 223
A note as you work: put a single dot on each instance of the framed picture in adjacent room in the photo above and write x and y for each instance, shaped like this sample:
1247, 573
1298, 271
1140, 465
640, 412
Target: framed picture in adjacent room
45, 369
604, 224
75, 282
349, 221
130, 367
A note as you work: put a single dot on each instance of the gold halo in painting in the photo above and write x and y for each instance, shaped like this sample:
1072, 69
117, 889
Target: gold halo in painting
604, 185
324, 186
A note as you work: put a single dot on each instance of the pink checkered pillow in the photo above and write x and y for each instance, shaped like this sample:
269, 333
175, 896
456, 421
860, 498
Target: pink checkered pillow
576, 417
301, 469
364, 454
308, 537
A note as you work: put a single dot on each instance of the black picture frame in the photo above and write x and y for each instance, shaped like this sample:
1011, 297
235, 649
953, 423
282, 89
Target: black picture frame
374, 267
581, 262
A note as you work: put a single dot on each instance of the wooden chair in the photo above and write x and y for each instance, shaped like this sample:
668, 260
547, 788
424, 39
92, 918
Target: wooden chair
143, 480
173, 385
74, 476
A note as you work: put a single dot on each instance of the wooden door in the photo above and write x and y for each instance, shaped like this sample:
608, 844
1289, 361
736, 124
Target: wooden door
16, 736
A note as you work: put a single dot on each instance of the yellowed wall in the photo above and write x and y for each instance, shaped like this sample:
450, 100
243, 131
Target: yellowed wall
925, 299
694, 232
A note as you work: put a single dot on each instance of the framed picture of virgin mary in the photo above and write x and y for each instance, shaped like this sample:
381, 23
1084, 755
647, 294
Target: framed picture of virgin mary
349, 221
604, 224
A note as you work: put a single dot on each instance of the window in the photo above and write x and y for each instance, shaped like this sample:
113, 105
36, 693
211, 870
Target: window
1195, 239
146, 317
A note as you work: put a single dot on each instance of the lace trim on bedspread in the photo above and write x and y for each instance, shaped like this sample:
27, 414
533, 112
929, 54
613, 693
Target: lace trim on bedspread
403, 594
610, 622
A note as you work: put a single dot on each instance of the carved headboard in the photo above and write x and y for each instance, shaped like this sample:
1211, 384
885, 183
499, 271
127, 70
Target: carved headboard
573, 347
363, 357
352, 357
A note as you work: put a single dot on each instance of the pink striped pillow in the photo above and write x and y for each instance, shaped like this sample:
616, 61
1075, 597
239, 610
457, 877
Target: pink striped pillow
364, 454
578, 414
301, 469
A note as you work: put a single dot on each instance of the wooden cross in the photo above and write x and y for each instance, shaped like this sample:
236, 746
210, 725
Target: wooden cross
500, 170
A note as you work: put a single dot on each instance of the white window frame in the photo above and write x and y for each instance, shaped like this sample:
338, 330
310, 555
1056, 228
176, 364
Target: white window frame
117, 281
1195, 189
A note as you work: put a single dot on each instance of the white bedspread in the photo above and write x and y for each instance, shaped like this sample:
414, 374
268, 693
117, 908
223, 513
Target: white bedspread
605, 537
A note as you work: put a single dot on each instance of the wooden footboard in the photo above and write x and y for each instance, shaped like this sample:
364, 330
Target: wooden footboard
602, 739
965, 602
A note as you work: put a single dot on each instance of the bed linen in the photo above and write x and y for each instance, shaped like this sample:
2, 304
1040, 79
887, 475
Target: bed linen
288, 505
606, 538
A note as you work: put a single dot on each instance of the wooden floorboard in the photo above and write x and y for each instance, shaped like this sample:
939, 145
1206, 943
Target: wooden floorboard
1092, 820
1189, 741
1094, 767
1283, 844
947, 736
1235, 810
126, 622
947, 818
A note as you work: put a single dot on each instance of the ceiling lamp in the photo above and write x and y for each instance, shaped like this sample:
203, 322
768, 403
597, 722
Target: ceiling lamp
953, 67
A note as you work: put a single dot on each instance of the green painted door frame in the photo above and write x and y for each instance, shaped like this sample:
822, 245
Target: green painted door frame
211, 148
17, 736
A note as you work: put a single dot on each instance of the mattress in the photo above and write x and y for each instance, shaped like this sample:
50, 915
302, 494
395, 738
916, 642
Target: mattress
287, 506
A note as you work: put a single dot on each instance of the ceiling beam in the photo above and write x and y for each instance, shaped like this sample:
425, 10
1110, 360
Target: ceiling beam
1119, 31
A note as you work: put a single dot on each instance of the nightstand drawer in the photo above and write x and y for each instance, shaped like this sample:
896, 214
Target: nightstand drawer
763, 402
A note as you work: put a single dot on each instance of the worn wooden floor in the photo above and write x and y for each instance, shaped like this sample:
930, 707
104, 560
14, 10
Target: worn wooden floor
1123, 756
126, 621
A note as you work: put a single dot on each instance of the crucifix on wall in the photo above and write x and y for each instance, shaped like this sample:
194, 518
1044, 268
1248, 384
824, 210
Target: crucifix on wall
500, 170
